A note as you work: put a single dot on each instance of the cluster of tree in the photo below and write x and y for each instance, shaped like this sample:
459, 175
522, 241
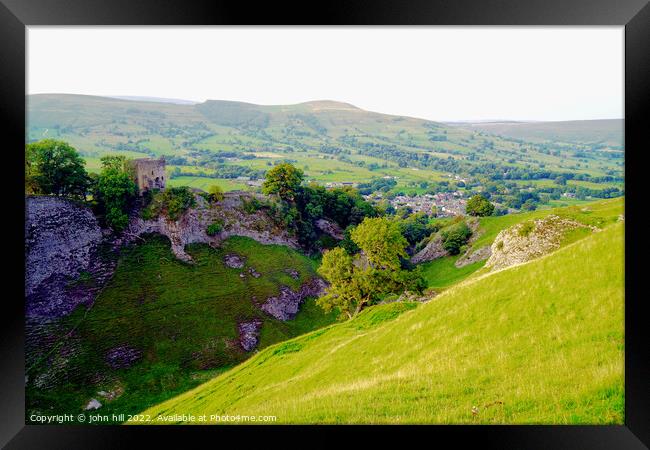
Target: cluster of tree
114, 191
417, 227
332, 150
436, 137
227, 171
455, 236
208, 158
176, 160
361, 279
377, 184
301, 206
55, 168
478, 205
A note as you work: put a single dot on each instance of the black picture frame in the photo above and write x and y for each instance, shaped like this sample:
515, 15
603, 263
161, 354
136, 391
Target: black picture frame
15, 15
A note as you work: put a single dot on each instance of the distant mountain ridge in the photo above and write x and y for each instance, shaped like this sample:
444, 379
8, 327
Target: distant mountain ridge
609, 131
136, 98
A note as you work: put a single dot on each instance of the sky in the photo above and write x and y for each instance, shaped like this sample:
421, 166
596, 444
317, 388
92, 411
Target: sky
435, 73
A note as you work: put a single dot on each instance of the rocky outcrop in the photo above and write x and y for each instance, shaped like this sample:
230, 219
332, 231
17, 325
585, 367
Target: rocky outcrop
233, 261
92, 404
285, 305
64, 266
470, 257
122, 357
529, 240
293, 273
433, 250
249, 333
191, 226
331, 228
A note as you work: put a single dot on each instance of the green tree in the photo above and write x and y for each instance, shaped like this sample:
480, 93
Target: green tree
529, 205
360, 280
54, 168
416, 227
351, 287
283, 180
216, 193
454, 237
478, 205
115, 191
381, 240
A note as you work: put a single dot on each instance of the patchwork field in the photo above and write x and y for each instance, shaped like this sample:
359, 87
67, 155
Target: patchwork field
330, 141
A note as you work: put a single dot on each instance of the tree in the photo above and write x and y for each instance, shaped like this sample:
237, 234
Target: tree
54, 168
382, 242
454, 237
478, 205
216, 193
360, 280
529, 205
283, 180
114, 191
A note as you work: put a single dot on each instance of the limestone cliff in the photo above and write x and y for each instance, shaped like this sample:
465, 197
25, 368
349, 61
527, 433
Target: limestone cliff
63, 243
69, 257
192, 225
529, 240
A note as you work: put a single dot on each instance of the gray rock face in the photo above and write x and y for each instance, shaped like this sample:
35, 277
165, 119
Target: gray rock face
293, 273
285, 306
233, 261
249, 333
93, 404
331, 228
433, 250
475, 256
529, 240
122, 357
62, 240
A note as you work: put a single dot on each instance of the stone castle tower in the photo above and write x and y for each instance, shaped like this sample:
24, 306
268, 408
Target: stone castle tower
148, 173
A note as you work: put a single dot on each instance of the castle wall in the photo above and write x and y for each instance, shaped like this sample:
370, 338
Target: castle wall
149, 174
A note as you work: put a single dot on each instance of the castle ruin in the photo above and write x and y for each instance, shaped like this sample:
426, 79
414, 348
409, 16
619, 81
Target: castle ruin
148, 173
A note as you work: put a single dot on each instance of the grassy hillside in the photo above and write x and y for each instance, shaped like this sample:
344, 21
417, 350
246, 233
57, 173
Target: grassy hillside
182, 319
608, 132
330, 141
537, 343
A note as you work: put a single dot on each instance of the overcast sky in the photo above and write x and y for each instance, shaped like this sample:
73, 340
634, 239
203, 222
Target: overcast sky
437, 73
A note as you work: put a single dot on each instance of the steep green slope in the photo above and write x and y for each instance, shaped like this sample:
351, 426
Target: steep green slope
537, 343
161, 326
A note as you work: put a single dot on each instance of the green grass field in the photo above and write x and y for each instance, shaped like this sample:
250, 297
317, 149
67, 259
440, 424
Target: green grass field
182, 317
539, 343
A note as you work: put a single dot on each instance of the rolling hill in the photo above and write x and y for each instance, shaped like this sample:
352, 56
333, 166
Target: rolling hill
537, 343
331, 141
606, 132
